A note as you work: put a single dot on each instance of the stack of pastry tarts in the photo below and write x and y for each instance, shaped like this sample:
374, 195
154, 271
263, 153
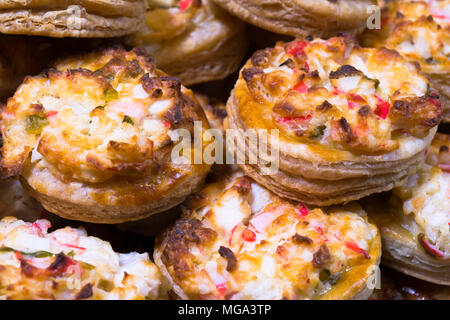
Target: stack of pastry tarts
351, 121
358, 173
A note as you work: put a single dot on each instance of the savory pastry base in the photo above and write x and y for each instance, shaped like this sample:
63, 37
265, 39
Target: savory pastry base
334, 117
67, 264
236, 240
401, 248
414, 220
92, 140
81, 19
73, 202
195, 41
302, 17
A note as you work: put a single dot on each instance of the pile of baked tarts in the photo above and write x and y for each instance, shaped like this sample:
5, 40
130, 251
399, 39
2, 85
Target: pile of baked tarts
113, 110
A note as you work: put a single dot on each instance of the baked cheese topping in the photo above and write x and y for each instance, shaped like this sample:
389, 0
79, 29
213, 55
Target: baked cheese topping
236, 240
440, 10
68, 264
338, 95
426, 196
419, 30
104, 115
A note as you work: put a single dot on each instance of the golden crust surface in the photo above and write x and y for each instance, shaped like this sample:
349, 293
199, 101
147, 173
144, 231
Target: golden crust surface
236, 240
67, 18
420, 31
92, 138
302, 17
194, 40
68, 264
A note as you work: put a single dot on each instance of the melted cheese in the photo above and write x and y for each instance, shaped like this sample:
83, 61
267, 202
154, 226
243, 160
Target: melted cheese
130, 276
273, 261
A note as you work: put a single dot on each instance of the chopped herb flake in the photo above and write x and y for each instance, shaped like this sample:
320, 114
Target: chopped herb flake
35, 123
127, 119
111, 94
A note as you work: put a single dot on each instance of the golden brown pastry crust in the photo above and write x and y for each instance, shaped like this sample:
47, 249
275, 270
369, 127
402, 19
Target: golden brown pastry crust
339, 140
69, 18
302, 17
237, 240
414, 222
91, 139
420, 31
195, 41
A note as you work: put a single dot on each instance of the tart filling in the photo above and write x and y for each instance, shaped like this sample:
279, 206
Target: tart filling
237, 240
333, 95
69, 264
426, 197
419, 30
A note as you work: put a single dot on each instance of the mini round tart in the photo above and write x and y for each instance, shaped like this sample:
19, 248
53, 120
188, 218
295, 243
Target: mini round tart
68, 264
346, 121
420, 31
415, 226
194, 40
95, 138
236, 240
322, 18
71, 18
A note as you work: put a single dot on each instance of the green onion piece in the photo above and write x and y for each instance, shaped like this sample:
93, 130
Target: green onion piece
40, 254
135, 70
111, 94
318, 132
35, 123
88, 266
127, 119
